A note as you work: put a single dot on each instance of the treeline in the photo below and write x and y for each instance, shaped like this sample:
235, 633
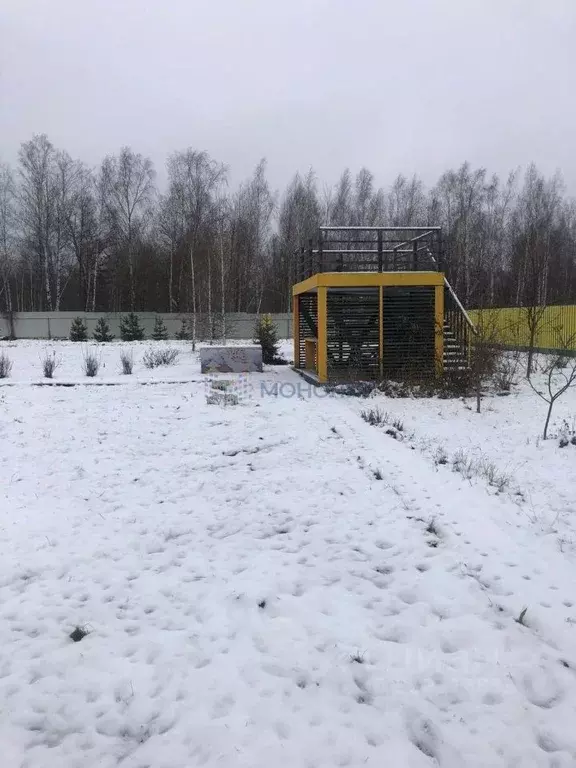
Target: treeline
107, 239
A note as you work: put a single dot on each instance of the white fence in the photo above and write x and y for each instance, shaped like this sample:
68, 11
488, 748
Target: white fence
56, 325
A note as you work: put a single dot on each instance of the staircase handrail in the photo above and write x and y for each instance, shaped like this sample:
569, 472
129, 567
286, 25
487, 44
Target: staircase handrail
459, 304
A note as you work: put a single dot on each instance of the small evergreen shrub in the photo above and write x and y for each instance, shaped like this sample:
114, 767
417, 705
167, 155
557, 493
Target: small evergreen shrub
160, 332
183, 334
266, 336
130, 328
102, 331
78, 330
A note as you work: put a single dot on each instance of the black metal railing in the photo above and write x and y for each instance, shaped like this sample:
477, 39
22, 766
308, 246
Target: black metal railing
372, 249
459, 329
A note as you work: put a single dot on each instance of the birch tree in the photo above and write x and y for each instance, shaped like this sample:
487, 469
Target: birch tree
128, 188
7, 238
37, 209
194, 180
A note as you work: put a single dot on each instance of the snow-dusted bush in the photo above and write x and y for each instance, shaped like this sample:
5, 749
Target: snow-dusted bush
464, 464
150, 359
440, 456
49, 363
494, 477
167, 356
470, 467
507, 371
153, 358
566, 433
91, 363
127, 361
5, 365
450, 386
354, 389
398, 389
375, 416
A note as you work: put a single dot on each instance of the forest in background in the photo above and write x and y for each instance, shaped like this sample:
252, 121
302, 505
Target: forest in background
78, 238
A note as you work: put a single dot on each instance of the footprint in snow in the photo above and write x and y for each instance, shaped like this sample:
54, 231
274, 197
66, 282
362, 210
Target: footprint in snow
383, 544
222, 707
541, 688
426, 737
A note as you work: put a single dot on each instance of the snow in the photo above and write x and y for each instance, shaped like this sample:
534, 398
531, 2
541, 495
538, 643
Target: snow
255, 596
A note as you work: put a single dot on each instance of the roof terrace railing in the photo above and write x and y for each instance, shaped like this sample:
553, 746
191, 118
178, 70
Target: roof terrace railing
372, 249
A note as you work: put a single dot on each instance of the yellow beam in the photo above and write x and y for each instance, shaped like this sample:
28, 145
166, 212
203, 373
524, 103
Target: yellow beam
439, 328
305, 285
375, 279
381, 330
296, 330
322, 349
367, 280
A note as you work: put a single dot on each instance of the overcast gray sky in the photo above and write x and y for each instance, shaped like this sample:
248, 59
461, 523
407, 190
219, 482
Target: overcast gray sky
396, 85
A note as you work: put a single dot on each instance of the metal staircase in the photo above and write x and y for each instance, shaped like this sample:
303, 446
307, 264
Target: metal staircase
458, 333
455, 353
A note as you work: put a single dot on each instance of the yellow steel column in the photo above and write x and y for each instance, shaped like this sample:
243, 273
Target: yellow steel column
322, 350
381, 330
439, 328
296, 329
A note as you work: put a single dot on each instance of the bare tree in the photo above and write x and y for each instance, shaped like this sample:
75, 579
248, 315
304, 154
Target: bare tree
87, 239
223, 247
368, 202
37, 207
252, 211
298, 221
340, 210
405, 203
485, 354
7, 239
194, 181
171, 229
559, 378
457, 201
535, 218
128, 183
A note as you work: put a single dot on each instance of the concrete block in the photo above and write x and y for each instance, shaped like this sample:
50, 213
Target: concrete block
230, 359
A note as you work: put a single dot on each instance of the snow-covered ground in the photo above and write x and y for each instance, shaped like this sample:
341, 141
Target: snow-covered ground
278, 582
